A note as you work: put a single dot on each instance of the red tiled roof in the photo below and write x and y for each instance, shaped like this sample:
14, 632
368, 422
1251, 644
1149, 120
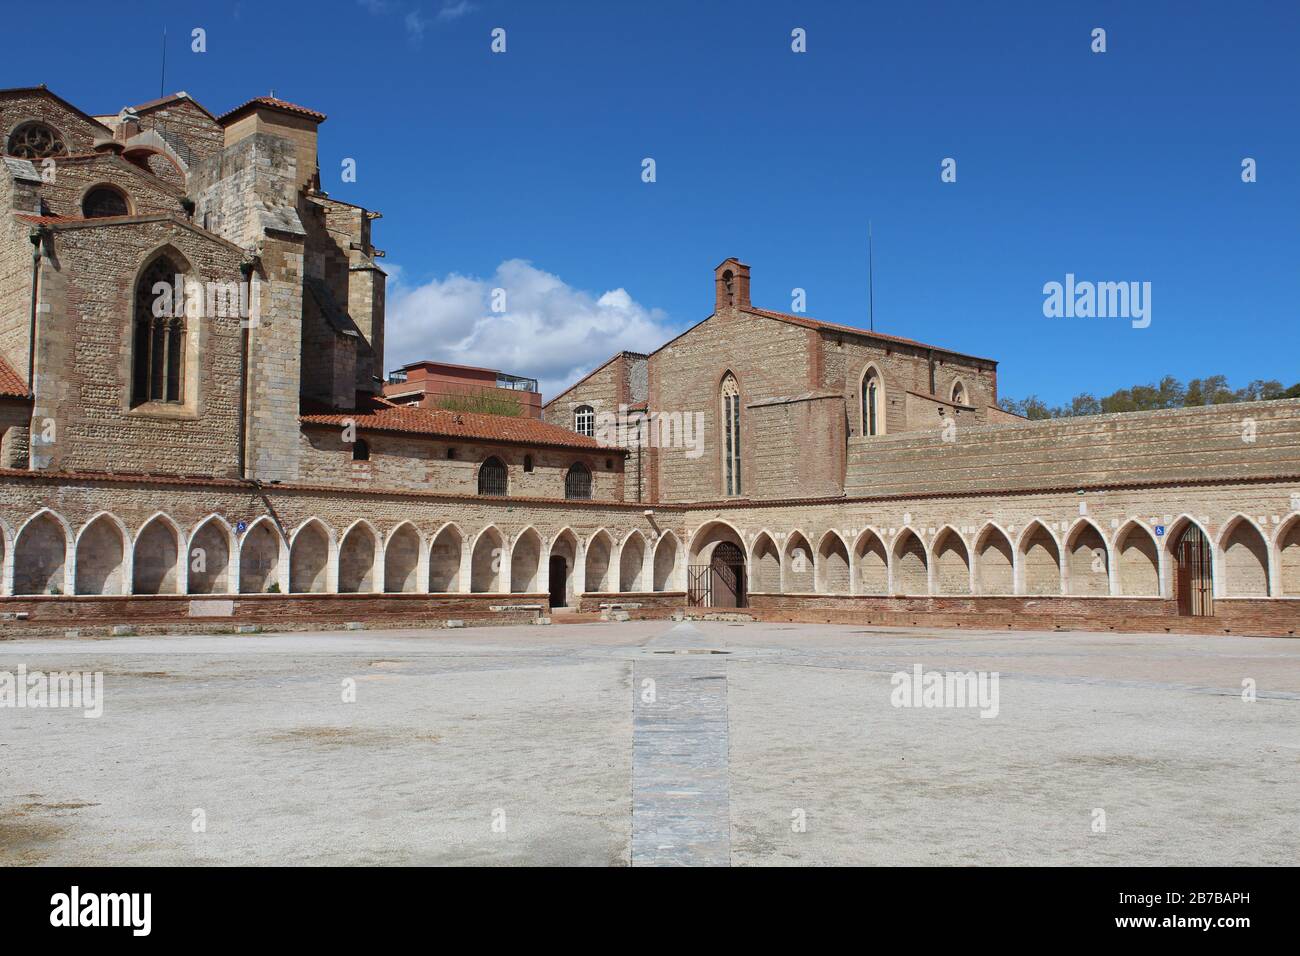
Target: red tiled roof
810, 323
11, 386
384, 416
273, 103
50, 220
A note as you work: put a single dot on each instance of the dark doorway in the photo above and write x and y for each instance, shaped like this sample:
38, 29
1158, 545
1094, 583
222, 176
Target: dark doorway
559, 581
1194, 576
727, 574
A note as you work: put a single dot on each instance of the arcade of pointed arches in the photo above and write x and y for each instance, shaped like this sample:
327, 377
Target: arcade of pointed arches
47, 554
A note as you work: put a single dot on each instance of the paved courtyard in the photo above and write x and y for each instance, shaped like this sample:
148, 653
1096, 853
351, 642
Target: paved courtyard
655, 743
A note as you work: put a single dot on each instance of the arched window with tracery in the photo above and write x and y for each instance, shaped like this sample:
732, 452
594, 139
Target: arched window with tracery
577, 482
104, 201
584, 420
36, 141
872, 408
731, 435
158, 357
492, 477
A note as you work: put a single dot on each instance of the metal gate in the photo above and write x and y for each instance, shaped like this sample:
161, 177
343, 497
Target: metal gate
699, 585
1194, 578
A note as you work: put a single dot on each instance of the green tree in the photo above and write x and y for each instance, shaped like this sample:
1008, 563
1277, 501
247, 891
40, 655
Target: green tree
1169, 392
482, 402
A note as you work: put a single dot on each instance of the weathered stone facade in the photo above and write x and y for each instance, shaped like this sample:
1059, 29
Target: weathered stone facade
249, 469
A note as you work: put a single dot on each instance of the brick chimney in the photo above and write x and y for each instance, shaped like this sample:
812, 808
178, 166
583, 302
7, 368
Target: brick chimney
732, 279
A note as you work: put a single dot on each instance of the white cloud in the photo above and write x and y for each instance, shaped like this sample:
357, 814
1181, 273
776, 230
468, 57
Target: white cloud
549, 330
454, 11
415, 25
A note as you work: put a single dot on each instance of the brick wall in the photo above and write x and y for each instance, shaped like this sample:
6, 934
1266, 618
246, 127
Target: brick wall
164, 614
770, 360
1125, 615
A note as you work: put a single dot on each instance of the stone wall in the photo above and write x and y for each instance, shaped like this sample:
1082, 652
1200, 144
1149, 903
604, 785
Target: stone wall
415, 463
1220, 441
15, 271
903, 369
75, 175
612, 392
769, 359
78, 132
190, 132
84, 416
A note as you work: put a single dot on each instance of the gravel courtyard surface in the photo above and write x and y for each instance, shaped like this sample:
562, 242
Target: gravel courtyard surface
610, 744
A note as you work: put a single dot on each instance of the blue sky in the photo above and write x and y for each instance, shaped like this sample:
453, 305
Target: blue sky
523, 169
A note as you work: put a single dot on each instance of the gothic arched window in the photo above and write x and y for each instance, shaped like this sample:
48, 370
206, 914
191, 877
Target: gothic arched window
577, 483
492, 477
731, 435
959, 394
158, 356
104, 201
36, 141
872, 419
584, 420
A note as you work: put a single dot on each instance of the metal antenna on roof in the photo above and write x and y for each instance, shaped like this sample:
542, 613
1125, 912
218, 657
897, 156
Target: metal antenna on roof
162, 77
871, 281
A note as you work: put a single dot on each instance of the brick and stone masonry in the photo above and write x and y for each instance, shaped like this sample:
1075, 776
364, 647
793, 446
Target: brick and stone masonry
873, 478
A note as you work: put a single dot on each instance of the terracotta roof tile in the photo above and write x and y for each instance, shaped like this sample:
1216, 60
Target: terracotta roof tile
810, 323
51, 220
385, 417
11, 385
273, 103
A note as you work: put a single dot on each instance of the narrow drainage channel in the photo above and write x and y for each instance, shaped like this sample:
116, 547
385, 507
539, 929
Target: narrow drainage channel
681, 811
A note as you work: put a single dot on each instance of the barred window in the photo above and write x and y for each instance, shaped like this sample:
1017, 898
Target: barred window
36, 141
584, 421
577, 483
492, 477
158, 359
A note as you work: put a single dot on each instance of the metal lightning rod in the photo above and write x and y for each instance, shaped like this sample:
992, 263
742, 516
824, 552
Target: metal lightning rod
871, 280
